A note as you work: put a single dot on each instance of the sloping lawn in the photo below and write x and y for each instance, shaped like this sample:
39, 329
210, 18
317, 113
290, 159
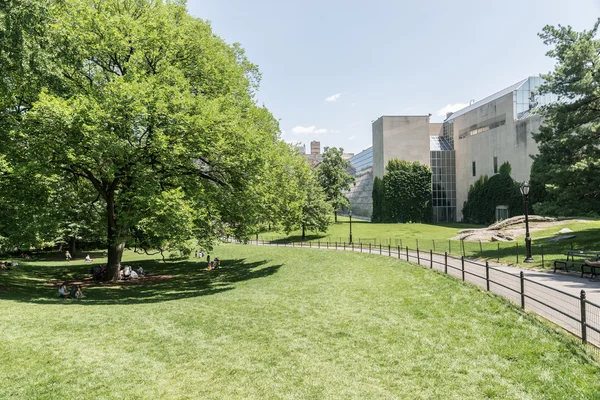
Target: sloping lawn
278, 323
367, 232
438, 237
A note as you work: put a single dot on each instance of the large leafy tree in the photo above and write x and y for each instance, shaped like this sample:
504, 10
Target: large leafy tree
147, 107
334, 178
569, 161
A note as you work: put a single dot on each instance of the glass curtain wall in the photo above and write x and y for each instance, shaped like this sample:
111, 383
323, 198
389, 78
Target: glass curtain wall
443, 180
525, 98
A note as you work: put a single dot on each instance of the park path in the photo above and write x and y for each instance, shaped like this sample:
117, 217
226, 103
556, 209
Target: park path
556, 297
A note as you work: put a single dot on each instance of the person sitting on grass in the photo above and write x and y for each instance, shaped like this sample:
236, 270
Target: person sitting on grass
78, 293
62, 291
88, 259
140, 271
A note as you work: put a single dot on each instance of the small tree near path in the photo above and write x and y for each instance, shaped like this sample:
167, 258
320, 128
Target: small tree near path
334, 178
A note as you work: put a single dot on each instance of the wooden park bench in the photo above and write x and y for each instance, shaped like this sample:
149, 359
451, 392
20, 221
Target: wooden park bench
575, 259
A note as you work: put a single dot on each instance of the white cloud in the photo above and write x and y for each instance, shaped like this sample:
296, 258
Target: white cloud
451, 108
309, 130
351, 138
333, 98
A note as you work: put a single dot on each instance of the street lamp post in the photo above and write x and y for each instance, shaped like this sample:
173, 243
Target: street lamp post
525, 192
350, 215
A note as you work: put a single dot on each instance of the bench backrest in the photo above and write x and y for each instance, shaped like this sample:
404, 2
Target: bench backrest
583, 254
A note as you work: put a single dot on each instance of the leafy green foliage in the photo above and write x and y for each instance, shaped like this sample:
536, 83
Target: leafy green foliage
568, 139
488, 193
314, 211
407, 192
377, 200
334, 178
141, 104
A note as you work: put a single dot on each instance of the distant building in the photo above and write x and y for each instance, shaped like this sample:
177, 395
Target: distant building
315, 157
470, 143
361, 194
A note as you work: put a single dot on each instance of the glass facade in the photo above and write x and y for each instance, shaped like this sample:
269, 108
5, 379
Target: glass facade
448, 132
525, 99
362, 160
443, 181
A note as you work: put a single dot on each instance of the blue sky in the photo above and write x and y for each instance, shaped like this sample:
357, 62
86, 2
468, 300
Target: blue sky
330, 67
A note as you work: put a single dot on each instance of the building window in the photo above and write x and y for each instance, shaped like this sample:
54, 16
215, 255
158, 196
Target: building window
474, 169
495, 165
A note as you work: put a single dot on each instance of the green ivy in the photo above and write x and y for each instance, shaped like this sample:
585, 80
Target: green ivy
407, 192
377, 215
488, 193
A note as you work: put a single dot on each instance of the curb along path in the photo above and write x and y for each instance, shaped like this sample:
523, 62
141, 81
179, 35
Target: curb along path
568, 301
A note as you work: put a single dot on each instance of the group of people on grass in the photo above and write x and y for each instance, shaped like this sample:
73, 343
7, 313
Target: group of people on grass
7, 265
127, 272
69, 257
214, 264
74, 293
211, 264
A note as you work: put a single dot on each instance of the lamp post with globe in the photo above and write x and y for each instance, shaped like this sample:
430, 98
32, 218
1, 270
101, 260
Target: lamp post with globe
525, 193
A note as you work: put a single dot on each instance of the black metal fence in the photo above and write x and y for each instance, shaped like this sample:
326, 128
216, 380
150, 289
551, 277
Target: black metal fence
506, 252
576, 314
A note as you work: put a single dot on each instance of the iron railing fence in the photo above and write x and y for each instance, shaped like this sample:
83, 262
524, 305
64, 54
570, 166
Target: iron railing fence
575, 314
511, 252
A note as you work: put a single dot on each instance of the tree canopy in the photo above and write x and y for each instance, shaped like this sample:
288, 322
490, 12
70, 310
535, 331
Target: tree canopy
334, 178
140, 105
568, 165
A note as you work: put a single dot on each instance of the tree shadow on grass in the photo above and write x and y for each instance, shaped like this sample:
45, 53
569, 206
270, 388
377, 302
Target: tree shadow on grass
165, 282
298, 239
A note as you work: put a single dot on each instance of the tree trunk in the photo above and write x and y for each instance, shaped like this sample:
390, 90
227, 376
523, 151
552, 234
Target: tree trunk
303, 233
115, 253
335, 216
115, 243
72, 245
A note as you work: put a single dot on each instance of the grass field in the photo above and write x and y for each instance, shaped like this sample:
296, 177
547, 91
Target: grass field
278, 323
439, 237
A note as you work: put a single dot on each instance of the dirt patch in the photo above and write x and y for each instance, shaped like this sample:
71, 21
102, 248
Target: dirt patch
89, 282
507, 230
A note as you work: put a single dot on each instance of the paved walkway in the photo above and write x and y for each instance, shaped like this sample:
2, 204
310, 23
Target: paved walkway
556, 297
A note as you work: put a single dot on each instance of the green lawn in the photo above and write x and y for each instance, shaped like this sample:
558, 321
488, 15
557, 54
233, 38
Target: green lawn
279, 323
392, 234
438, 237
